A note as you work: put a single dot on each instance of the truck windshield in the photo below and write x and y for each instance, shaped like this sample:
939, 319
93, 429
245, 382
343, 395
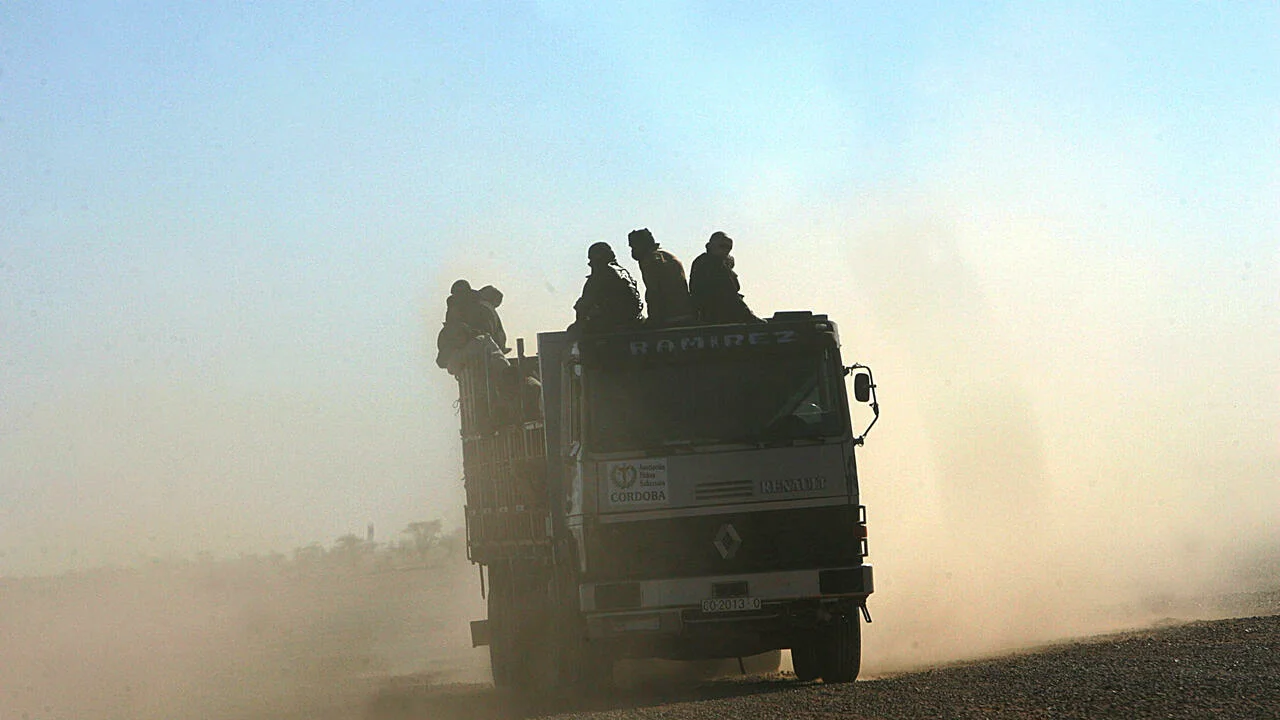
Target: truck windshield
749, 398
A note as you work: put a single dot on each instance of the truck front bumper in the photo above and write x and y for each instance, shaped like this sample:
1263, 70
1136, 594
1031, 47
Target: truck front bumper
672, 606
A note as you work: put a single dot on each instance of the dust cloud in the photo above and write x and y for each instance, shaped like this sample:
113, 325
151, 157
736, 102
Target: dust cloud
1060, 452
252, 638
1072, 440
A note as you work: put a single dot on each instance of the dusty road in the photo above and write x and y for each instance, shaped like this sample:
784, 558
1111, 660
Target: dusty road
249, 641
1219, 669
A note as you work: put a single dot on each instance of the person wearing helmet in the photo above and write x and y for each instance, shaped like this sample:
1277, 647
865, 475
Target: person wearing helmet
666, 291
713, 285
610, 300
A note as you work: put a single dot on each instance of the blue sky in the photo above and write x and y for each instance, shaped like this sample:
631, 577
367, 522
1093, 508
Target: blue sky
226, 228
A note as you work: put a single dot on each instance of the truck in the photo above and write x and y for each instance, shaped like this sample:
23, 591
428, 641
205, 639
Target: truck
686, 493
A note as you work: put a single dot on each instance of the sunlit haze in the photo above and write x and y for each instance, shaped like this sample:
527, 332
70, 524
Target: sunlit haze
227, 232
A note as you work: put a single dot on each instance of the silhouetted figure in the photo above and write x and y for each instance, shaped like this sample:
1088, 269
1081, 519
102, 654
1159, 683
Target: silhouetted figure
467, 316
713, 285
471, 348
610, 300
490, 298
457, 330
462, 305
666, 291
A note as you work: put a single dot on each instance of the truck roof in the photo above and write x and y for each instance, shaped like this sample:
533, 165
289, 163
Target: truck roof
782, 331
784, 318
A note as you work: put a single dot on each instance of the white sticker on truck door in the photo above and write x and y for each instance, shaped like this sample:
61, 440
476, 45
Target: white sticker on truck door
636, 483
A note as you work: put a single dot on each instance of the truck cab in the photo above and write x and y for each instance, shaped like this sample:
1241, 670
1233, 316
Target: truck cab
702, 483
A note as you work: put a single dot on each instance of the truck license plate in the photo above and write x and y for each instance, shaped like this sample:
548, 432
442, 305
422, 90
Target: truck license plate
734, 604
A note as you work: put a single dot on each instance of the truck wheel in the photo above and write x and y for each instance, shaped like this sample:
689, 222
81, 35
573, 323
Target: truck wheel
547, 637
502, 645
500, 665
804, 660
572, 665
840, 651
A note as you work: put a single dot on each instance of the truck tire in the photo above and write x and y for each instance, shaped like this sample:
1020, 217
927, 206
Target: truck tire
503, 651
840, 649
804, 660
527, 654
501, 665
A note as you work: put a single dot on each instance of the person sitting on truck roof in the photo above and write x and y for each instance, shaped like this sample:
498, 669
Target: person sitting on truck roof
666, 291
463, 307
466, 317
713, 285
610, 300
490, 298
456, 331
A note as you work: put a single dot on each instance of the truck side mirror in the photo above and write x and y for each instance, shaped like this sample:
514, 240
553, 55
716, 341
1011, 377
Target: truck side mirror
862, 387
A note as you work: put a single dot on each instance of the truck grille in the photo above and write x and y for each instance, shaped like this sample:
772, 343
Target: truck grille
795, 539
723, 490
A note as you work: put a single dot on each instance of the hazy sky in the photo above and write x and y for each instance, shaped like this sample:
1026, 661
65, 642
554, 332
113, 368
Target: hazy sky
226, 231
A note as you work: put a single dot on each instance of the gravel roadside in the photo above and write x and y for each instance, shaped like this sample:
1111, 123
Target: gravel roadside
1220, 669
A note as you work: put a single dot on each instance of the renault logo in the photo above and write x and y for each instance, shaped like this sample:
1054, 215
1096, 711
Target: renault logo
728, 541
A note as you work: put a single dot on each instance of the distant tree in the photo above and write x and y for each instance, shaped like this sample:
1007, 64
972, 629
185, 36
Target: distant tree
423, 536
348, 548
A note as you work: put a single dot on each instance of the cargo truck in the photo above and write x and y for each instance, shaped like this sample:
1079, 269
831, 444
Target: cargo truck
686, 493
